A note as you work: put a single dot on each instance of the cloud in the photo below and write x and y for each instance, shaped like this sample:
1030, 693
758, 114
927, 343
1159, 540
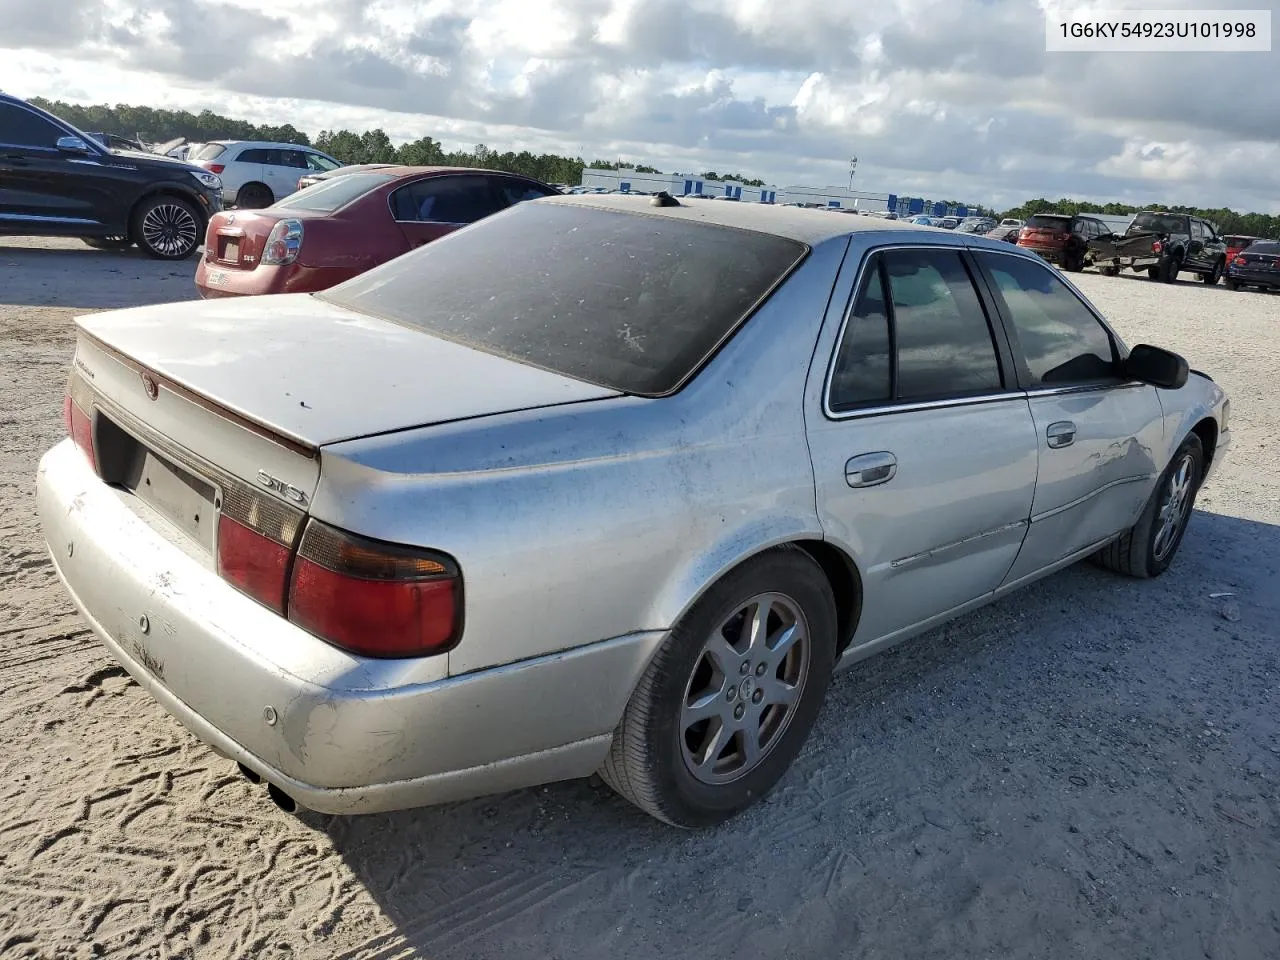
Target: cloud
950, 98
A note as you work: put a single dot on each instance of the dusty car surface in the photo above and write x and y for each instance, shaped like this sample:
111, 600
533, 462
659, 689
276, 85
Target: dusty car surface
597, 484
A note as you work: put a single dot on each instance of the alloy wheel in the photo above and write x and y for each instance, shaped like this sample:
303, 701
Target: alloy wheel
1174, 506
170, 229
744, 689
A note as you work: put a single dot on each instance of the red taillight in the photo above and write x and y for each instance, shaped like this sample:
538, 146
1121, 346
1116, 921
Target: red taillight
1239, 261
256, 535
373, 598
78, 420
214, 167
1156, 246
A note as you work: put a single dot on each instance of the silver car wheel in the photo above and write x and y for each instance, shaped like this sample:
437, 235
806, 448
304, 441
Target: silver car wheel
170, 229
1172, 513
744, 689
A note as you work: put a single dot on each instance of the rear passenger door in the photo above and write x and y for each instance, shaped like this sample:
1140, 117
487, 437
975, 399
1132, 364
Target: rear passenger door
283, 170
923, 449
1096, 432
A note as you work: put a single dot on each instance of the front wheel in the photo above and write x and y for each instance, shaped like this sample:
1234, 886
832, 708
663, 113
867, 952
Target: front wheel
1149, 546
167, 228
728, 700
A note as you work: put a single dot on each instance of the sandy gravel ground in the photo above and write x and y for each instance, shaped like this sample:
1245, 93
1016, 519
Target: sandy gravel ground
1085, 770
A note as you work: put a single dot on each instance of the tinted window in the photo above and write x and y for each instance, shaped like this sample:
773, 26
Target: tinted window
863, 370
516, 191
943, 341
1062, 341
1158, 223
287, 158
26, 129
631, 301
327, 196
1044, 222
253, 155
1269, 247
463, 199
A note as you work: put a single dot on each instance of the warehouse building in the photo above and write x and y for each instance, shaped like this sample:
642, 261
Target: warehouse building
682, 184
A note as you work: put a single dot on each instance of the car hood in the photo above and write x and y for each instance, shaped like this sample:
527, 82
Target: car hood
155, 160
318, 373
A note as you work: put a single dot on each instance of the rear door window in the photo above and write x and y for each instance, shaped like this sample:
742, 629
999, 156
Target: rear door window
1062, 341
253, 155
447, 199
1042, 222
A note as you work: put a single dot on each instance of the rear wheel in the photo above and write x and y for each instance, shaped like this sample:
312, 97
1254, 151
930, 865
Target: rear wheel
254, 196
1148, 548
1233, 284
1169, 270
1153, 273
730, 697
108, 243
167, 228
1214, 275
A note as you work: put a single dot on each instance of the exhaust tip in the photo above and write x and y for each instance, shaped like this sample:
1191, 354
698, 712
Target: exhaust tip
248, 774
281, 799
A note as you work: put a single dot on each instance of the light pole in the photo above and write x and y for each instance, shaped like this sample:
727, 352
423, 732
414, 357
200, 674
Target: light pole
853, 165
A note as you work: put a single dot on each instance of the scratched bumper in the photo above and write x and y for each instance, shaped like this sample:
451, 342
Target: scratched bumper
343, 734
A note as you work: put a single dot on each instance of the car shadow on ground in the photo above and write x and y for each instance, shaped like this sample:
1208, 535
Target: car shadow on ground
73, 275
989, 788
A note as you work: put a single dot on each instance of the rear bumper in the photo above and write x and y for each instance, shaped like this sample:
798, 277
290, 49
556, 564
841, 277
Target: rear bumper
1052, 254
214, 279
337, 732
1260, 278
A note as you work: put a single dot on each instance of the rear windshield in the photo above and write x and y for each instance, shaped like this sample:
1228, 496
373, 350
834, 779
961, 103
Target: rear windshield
1265, 246
1237, 242
207, 151
330, 194
1044, 221
1158, 223
631, 301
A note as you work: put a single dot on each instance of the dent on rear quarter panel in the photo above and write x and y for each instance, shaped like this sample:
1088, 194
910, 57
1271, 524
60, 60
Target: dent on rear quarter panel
593, 520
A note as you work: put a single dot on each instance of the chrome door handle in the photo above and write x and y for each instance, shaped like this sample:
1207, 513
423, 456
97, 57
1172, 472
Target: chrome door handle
870, 469
1061, 434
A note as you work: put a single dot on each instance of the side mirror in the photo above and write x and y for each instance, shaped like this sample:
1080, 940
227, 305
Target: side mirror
72, 145
1160, 368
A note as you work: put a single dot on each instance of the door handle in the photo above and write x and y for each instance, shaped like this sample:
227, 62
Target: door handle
1061, 434
870, 469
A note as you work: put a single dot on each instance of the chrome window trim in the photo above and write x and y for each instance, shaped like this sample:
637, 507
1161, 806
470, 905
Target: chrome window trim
902, 406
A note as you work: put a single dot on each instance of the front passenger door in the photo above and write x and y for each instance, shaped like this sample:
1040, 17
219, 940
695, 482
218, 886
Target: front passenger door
1096, 432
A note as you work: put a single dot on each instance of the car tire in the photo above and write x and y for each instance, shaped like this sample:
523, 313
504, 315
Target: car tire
254, 196
107, 243
1233, 284
167, 227
1149, 546
1153, 273
686, 726
1169, 270
1214, 275
1109, 271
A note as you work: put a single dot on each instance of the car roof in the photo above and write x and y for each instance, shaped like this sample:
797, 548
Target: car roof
796, 223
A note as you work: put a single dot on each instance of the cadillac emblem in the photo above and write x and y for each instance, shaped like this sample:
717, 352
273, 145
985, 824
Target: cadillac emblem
149, 384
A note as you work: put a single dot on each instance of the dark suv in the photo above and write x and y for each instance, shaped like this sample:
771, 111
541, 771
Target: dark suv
58, 182
1164, 244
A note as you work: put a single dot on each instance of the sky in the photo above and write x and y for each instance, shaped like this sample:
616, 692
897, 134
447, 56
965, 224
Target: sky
938, 98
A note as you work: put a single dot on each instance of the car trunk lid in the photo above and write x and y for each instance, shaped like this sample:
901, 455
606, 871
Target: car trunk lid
236, 238
307, 373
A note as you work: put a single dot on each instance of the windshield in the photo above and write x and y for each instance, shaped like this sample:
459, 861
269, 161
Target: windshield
635, 302
1158, 223
328, 195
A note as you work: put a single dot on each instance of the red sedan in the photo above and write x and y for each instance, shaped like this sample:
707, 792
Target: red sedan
346, 225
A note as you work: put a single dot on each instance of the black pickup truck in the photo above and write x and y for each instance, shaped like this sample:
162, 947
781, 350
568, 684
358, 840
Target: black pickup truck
1163, 244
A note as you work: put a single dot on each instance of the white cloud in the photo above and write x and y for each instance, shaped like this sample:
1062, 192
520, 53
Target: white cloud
946, 97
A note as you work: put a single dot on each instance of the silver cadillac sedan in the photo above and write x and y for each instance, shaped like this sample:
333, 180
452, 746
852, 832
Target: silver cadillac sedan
600, 483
